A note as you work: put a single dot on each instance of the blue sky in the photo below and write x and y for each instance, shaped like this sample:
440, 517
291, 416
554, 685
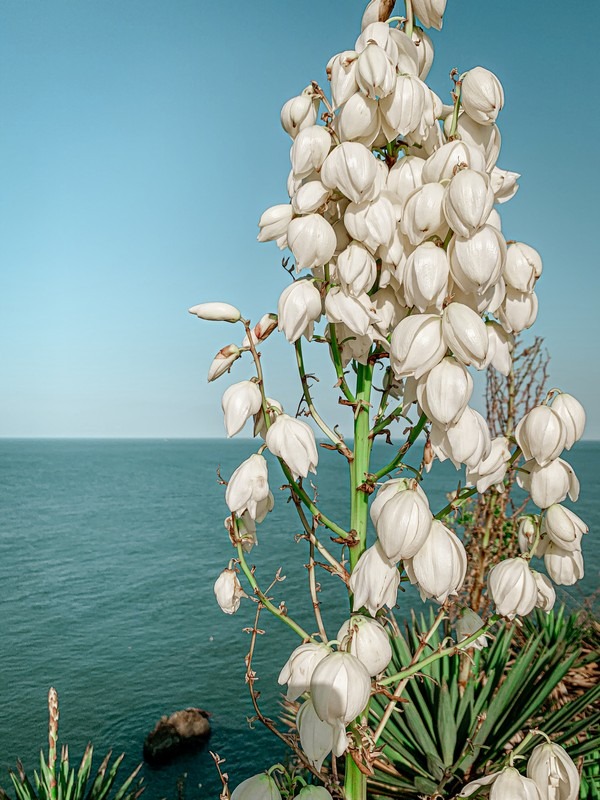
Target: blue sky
139, 144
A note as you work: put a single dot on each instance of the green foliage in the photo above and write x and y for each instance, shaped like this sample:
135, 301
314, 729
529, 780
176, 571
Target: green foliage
457, 725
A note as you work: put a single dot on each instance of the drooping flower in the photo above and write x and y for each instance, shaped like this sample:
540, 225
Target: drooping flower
541, 435
240, 402
312, 240
512, 587
572, 414
298, 669
274, 222
549, 484
300, 112
553, 772
468, 623
248, 487
430, 12
228, 591
293, 441
445, 391
298, 309
546, 596
565, 567
317, 737
368, 640
564, 527
482, 96
258, 787
417, 345
491, 470
339, 688
440, 566
374, 581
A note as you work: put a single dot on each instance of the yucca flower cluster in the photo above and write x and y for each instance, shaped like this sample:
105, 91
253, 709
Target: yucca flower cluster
392, 221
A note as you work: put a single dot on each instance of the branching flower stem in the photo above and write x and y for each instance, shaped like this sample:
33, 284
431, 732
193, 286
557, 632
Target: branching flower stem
399, 457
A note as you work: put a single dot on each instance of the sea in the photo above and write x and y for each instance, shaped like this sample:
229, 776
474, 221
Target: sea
109, 550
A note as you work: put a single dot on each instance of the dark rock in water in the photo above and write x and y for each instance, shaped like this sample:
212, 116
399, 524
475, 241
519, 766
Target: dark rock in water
182, 731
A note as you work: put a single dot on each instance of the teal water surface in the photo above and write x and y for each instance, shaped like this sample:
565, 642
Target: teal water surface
108, 554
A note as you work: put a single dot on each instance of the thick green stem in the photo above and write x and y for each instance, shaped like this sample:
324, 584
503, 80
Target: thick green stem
355, 783
359, 467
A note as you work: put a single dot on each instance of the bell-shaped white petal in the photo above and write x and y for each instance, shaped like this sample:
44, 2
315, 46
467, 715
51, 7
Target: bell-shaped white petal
491, 470
300, 112
440, 566
482, 96
374, 581
572, 414
425, 51
523, 266
368, 640
274, 222
553, 772
474, 786
518, 311
402, 109
293, 441
310, 197
248, 487
425, 277
500, 346
430, 12
240, 402
388, 309
219, 312
315, 792
487, 137
403, 524
228, 591
298, 669
468, 623
298, 309
512, 587
384, 36
371, 222
546, 595
423, 215
375, 73
353, 346
468, 201
310, 149
392, 487
449, 158
417, 345
351, 169
511, 785
466, 442
319, 738
504, 184
465, 334
405, 176
340, 687
274, 408
312, 240
258, 787
355, 312
541, 435
356, 269
476, 263
549, 484
358, 120
223, 360
565, 567
377, 11
341, 71
564, 528
444, 393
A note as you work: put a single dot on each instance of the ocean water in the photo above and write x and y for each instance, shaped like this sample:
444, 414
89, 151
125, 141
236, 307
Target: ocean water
108, 554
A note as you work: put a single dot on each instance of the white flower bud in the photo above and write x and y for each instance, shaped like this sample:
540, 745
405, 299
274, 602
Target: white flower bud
240, 402
355, 312
512, 587
417, 345
504, 184
258, 787
374, 581
553, 772
423, 215
222, 361
491, 470
523, 266
298, 309
375, 73
465, 334
298, 669
351, 169
424, 51
377, 11
565, 567
228, 591
219, 312
300, 112
528, 526
274, 222
468, 201
426, 277
564, 528
430, 12
468, 623
403, 523
390, 488
407, 56
487, 137
312, 240
371, 222
358, 120
356, 269
440, 566
403, 108
541, 435
444, 393
319, 738
310, 197
466, 442
368, 640
482, 96
293, 441
444, 162
518, 311
341, 72
310, 149
546, 595
500, 347
340, 687
572, 415
248, 487
550, 484
476, 263
405, 176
